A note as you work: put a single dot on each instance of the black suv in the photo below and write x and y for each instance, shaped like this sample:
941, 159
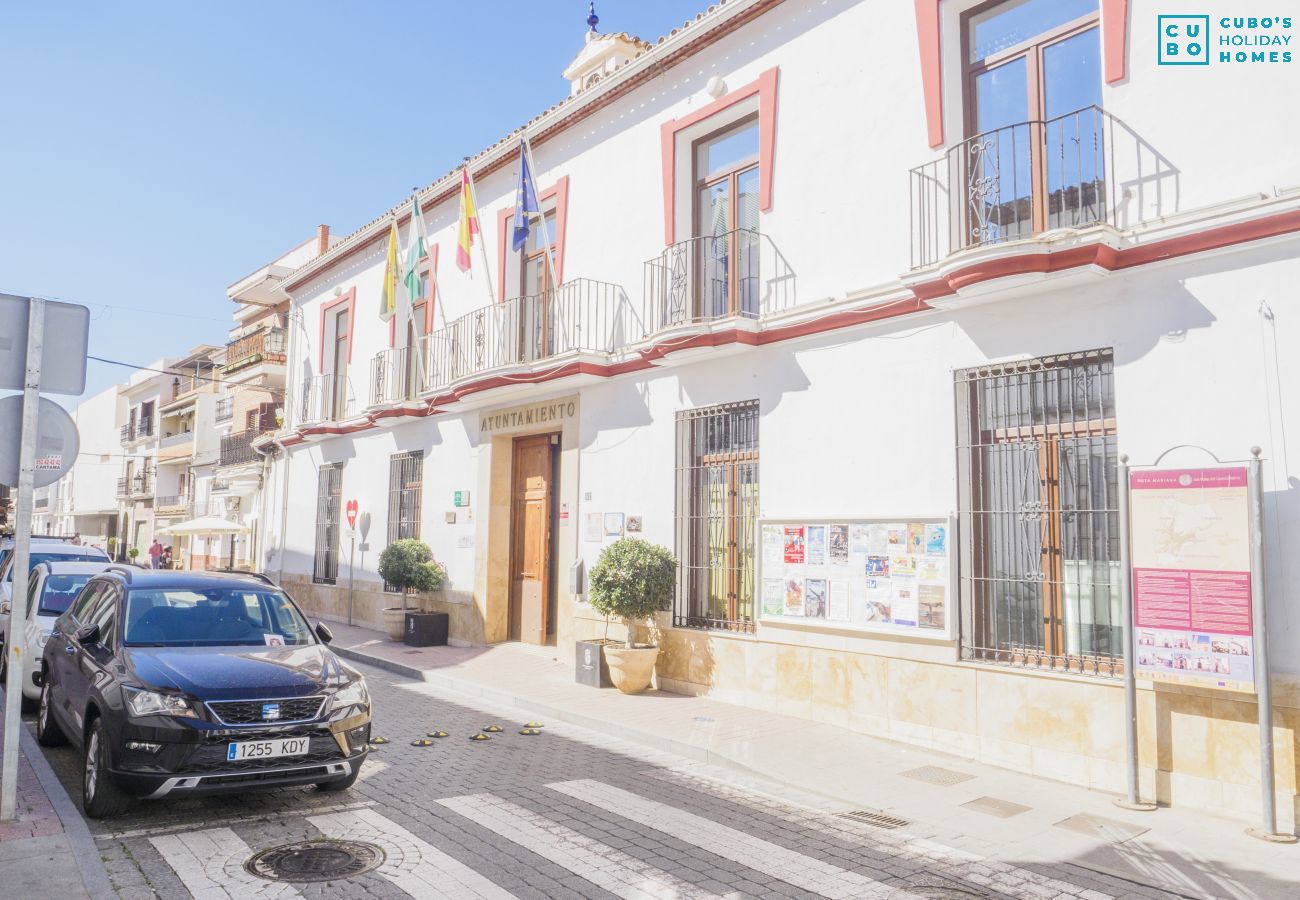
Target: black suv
192, 682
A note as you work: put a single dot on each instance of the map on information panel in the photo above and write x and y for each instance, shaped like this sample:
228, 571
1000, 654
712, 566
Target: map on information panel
1190, 539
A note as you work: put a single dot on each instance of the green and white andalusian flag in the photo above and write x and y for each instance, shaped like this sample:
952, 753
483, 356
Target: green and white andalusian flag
415, 251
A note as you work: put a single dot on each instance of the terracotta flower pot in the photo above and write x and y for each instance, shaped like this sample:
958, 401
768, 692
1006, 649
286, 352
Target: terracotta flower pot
395, 622
630, 668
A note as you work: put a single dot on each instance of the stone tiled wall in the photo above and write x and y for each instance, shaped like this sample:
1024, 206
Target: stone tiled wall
1197, 747
330, 602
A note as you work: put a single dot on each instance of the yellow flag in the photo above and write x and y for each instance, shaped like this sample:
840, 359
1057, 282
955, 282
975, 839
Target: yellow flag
388, 296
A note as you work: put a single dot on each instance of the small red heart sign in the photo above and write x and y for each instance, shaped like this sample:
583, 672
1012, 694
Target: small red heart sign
352, 513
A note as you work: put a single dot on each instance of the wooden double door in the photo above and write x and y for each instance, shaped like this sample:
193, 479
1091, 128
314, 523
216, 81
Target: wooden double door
532, 538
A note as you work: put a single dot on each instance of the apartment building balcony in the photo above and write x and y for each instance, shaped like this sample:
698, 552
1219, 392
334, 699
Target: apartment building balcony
224, 409
176, 443
266, 345
732, 279
237, 447
41, 503
1031, 198
123, 488
185, 386
170, 504
581, 317
134, 432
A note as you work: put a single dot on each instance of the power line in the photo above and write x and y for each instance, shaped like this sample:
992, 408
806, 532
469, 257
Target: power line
232, 384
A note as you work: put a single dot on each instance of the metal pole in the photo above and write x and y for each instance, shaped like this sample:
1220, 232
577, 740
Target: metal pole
482, 243
1263, 686
15, 643
1132, 799
352, 557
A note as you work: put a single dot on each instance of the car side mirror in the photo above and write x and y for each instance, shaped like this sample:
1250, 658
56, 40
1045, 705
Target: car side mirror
88, 634
323, 632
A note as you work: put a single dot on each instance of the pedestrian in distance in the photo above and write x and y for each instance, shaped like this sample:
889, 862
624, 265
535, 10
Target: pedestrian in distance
155, 554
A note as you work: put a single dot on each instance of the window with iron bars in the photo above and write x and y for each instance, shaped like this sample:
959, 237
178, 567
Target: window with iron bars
405, 481
1039, 514
717, 514
329, 490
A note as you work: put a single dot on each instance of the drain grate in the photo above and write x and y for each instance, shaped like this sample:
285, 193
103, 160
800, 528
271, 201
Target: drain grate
992, 806
318, 860
937, 775
875, 818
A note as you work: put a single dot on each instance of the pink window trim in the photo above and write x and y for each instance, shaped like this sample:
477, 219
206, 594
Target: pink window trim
1114, 41
349, 297
430, 265
765, 87
560, 193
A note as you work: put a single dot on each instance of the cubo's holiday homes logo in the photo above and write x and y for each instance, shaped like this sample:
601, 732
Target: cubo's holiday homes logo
1196, 40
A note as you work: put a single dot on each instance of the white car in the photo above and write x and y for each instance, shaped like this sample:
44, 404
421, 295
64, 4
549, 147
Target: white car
53, 587
42, 552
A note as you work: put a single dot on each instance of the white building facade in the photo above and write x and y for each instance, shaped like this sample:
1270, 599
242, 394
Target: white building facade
842, 270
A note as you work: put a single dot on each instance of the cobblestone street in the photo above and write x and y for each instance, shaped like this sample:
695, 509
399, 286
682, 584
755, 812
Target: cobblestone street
561, 814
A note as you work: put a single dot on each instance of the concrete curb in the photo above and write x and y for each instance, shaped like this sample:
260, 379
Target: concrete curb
93, 874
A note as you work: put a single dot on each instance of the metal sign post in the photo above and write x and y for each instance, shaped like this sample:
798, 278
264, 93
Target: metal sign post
1132, 799
22, 559
352, 556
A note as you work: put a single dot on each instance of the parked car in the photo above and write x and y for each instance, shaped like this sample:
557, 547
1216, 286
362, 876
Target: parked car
53, 587
44, 551
7, 544
176, 683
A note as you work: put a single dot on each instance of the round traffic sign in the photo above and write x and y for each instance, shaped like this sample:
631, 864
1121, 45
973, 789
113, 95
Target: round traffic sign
57, 441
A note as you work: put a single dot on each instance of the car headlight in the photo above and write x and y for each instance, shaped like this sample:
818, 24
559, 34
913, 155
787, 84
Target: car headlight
353, 693
151, 703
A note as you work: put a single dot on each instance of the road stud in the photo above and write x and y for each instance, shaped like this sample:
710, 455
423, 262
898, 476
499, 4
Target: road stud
479, 737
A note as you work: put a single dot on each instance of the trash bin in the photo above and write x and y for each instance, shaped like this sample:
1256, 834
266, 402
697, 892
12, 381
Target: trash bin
426, 629
591, 668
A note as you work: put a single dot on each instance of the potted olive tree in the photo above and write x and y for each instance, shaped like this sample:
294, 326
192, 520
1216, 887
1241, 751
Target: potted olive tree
408, 565
632, 580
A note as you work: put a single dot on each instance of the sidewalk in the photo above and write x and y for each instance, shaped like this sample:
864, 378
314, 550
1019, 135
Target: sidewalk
48, 850
995, 812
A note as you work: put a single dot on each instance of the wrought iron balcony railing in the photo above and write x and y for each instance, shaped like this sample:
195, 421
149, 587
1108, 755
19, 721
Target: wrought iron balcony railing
325, 398
1015, 182
141, 485
581, 315
237, 447
169, 501
394, 376
123, 487
263, 345
128, 433
736, 274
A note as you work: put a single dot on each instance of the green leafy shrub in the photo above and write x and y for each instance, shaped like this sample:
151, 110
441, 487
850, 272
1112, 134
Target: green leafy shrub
632, 580
409, 564
133, 553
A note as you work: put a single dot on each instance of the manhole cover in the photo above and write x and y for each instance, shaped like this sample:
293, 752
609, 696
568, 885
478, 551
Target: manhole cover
315, 861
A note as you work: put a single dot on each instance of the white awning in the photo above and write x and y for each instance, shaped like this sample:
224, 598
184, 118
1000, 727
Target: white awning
205, 525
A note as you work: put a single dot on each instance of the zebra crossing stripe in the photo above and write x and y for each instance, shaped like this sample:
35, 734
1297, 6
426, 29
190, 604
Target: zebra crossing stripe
210, 864
771, 859
418, 868
604, 866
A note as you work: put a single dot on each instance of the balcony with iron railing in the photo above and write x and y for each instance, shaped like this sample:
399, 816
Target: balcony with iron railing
191, 383
733, 276
124, 487
325, 399
264, 345
173, 503
237, 447
582, 316
395, 376
1031, 178
142, 485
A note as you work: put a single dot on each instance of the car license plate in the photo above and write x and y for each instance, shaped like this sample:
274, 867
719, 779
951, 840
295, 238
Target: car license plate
268, 749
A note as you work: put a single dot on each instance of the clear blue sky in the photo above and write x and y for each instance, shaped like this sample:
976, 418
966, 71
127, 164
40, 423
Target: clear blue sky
155, 152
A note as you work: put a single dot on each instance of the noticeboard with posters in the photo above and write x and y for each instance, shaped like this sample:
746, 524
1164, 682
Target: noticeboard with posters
891, 576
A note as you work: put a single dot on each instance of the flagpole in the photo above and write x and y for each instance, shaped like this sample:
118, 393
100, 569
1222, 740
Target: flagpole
482, 245
416, 230
546, 236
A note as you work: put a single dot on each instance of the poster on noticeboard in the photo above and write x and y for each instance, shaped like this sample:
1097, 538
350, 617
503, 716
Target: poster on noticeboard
875, 575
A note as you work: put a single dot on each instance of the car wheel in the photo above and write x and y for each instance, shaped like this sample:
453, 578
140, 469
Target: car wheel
99, 795
341, 784
48, 732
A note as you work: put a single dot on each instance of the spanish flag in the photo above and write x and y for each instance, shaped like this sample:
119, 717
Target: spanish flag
468, 222
388, 295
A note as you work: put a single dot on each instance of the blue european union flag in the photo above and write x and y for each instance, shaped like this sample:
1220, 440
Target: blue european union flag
525, 201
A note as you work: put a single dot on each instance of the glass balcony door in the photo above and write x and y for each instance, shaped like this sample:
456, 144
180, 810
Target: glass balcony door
536, 306
726, 223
